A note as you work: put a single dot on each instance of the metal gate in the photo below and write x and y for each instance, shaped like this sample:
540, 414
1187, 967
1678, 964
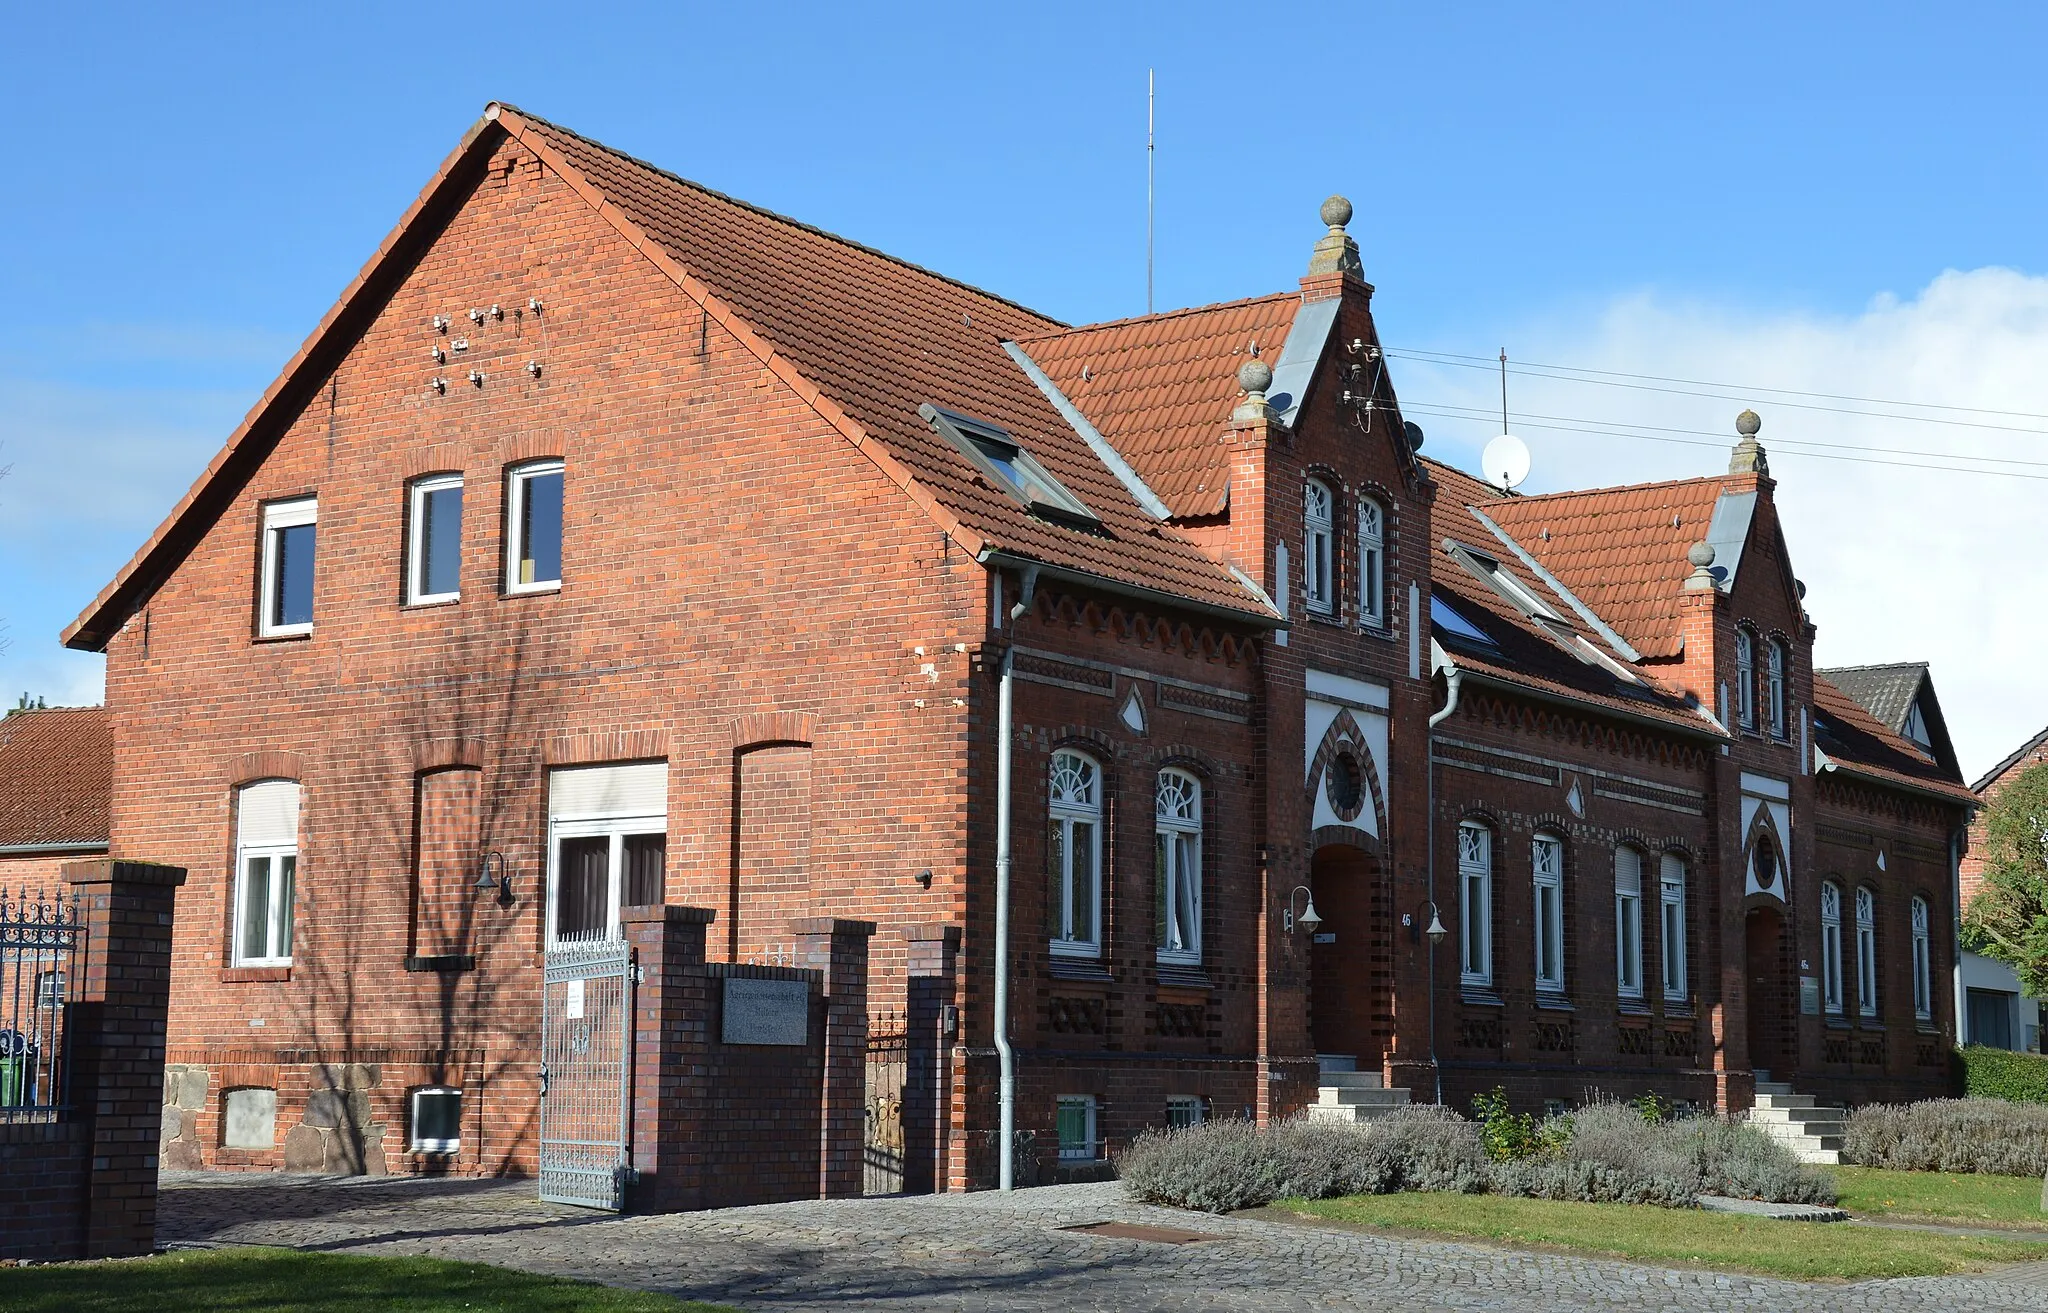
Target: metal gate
39, 950
585, 1073
882, 1147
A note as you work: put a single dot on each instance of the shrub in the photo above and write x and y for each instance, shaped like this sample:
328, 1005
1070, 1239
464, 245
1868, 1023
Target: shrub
1742, 1162
1216, 1167
1997, 1074
1512, 1136
1950, 1135
1437, 1149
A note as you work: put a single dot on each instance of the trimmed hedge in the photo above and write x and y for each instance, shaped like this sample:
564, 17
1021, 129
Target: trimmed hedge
1993, 1136
1998, 1074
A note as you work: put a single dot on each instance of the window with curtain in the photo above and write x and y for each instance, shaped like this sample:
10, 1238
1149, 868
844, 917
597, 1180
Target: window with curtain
1546, 853
608, 845
1076, 855
1671, 902
1628, 922
1319, 547
1923, 964
1475, 904
1178, 868
1372, 583
266, 872
1745, 678
1831, 947
1778, 664
1866, 952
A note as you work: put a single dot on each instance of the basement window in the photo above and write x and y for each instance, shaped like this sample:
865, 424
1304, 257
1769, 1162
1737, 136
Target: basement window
1006, 466
1076, 1127
436, 1120
287, 586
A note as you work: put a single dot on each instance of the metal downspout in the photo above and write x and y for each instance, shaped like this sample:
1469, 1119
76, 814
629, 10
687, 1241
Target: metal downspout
1004, 1053
1955, 925
1452, 678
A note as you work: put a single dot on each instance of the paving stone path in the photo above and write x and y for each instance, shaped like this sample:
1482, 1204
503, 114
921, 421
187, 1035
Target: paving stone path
990, 1253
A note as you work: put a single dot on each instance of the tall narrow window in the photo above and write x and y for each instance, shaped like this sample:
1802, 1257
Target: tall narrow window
1777, 660
434, 540
1628, 922
1672, 927
1372, 584
1831, 947
1546, 853
1475, 904
1178, 877
1866, 952
1318, 547
1745, 678
266, 872
1076, 855
1923, 966
533, 540
287, 586
608, 843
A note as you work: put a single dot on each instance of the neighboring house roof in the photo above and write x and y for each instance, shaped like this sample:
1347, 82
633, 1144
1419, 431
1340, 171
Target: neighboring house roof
864, 337
1161, 388
2025, 750
56, 778
1853, 740
1621, 550
1890, 692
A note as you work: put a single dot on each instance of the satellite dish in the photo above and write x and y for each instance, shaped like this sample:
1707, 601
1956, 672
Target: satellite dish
1505, 461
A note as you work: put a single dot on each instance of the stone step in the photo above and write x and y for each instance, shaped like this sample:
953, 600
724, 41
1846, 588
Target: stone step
1354, 1080
1363, 1097
1772, 1086
1355, 1113
1784, 1116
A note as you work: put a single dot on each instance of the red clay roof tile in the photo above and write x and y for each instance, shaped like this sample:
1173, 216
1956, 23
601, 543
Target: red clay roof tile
56, 776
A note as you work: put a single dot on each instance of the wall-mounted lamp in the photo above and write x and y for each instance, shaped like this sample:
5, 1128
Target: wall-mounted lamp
491, 874
1435, 930
1308, 918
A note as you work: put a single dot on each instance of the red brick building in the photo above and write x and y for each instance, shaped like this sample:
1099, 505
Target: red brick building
1997, 1010
622, 543
56, 767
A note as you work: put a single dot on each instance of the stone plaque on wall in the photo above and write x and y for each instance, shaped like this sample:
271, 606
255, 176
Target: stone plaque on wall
1809, 995
766, 1011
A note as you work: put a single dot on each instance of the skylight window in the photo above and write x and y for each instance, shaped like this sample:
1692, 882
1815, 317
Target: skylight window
1006, 466
1494, 575
1445, 617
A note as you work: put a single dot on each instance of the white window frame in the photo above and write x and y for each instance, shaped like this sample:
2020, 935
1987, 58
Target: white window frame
1546, 862
1628, 922
1076, 935
1831, 947
1866, 951
1923, 967
277, 517
280, 911
617, 829
1319, 547
516, 480
416, 540
1177, 821
1185, 1110
1778, 663
1745, 678
1091, 1150
1475, 905
422, 1144
1671, 927
1372, 563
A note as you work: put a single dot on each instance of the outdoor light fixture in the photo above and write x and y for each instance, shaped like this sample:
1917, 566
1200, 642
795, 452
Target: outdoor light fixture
1309, 920
491, 874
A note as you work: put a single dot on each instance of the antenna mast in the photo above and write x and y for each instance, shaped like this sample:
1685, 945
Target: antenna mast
1149, 193
1504, 389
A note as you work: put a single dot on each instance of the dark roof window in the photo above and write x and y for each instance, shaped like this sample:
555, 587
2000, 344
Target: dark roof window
1005, 464
1454, 625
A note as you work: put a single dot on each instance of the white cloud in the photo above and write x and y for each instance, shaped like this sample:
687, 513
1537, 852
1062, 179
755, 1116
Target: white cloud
1900, 564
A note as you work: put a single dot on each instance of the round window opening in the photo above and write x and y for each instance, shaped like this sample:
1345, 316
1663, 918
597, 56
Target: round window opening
1345, 782
1763, 864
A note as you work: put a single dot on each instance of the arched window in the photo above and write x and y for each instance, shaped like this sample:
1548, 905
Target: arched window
1745, 678
1831, 947
1628, 922
1866, 952
1546, 853
266, 872
1318, 547
1671, 903
1475, 904
1178, 868
1076, 855
1372, 583
1778, 660
1923, 967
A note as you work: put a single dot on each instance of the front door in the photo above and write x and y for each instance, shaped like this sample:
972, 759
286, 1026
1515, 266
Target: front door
1341, 952
1769, 1026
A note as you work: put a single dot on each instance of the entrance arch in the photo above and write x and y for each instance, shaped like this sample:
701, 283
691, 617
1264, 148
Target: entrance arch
1342, 990
1770, 1021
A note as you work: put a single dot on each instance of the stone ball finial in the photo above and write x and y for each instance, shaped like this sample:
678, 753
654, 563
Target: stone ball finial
1748, 423
1336, 211
1255, 376
1700, 555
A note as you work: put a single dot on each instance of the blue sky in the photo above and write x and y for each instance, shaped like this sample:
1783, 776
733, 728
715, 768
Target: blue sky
189, 189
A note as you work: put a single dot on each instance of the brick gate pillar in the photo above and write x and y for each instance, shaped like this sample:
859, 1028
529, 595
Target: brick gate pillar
839, 949
115, 1025
931, 1023
672, 1013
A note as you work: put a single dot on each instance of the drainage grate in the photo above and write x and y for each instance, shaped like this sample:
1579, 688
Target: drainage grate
1162, 1235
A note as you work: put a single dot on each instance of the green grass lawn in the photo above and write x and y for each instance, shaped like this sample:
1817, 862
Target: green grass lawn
1801, 1250
244, 1280
1966, 1198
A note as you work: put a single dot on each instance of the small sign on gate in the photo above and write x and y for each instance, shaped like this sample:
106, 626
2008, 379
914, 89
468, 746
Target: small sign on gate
572, 1000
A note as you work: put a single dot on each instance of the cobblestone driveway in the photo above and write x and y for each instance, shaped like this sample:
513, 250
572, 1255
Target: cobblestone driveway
989, 1252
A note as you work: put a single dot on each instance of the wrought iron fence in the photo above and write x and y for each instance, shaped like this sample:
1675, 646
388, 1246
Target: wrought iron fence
40, 938
882, 1149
